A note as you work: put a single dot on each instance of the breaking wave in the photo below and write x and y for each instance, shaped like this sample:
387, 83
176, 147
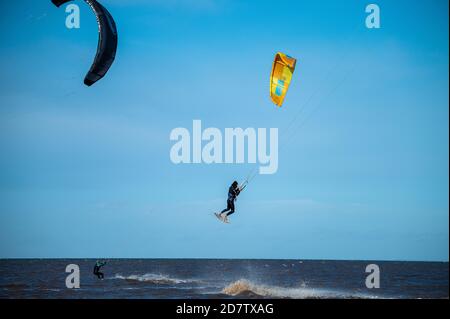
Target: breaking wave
245, 288
154, 279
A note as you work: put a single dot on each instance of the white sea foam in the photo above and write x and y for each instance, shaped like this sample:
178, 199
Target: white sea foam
243, 287
153, 278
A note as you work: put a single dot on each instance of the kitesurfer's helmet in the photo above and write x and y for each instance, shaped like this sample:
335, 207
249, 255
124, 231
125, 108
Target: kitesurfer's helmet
235, 184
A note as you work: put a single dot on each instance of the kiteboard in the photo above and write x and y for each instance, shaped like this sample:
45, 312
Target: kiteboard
220, 218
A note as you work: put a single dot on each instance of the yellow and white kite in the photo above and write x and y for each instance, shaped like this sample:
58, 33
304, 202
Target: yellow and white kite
282, 69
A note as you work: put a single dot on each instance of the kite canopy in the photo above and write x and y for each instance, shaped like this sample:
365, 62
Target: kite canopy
107, 41
282, 69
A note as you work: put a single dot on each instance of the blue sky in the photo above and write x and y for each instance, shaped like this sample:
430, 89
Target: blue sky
85, 172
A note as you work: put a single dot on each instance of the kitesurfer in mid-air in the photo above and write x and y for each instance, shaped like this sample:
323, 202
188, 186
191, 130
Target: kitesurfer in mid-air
233, 192
98, 265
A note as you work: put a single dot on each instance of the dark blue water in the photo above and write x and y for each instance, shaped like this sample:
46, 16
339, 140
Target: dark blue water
215, 278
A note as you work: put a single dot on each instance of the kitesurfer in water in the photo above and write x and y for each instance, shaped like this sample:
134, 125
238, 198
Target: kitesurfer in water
233, 192
98, 265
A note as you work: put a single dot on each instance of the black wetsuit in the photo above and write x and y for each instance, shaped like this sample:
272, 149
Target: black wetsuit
233, 192
97, 267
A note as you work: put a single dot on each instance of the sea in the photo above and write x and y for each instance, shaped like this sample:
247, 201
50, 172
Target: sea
222, 278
